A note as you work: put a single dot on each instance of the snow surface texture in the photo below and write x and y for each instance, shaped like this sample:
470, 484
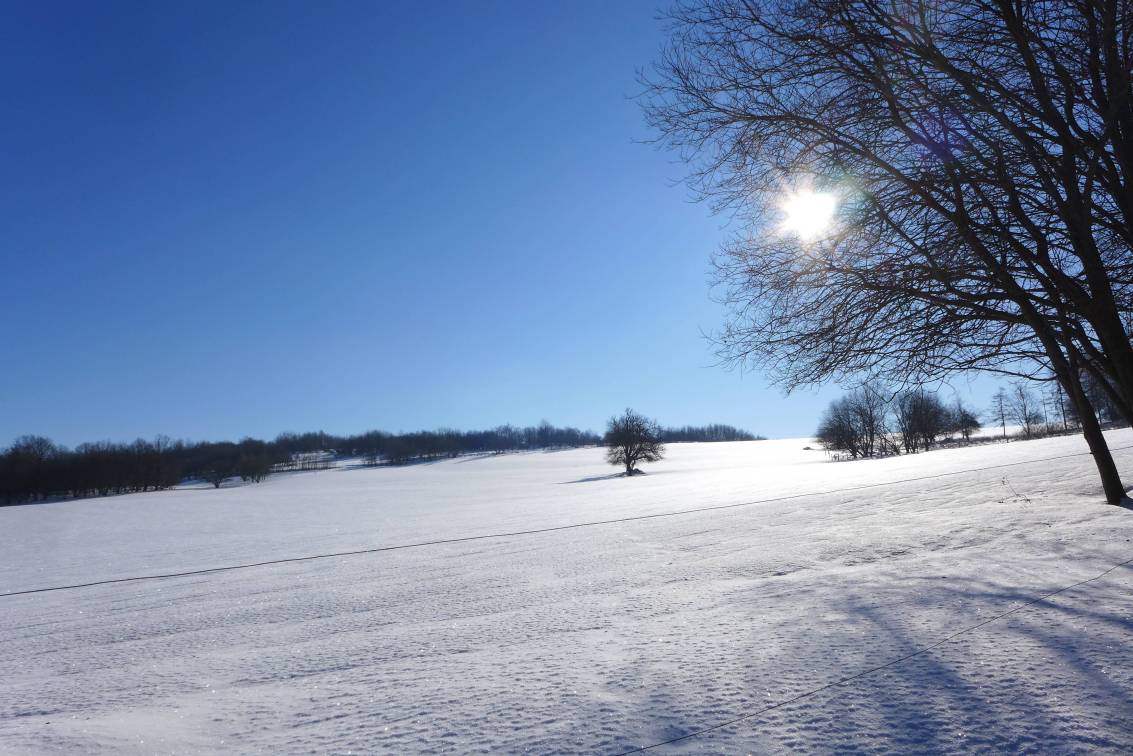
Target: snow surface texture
598, 639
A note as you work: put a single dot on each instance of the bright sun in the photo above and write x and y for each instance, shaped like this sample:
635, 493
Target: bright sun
808, 213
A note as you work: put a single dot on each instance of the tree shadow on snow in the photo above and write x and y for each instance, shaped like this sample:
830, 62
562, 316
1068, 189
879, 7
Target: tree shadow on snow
611, 476
1053, 676
1031, 680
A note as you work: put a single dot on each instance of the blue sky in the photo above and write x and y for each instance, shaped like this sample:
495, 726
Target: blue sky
228, 219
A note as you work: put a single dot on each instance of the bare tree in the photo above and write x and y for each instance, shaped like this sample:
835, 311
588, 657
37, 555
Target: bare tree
963, 420
1022, 407
838, 431
999, 409
632, 438
981, 153
856, 425
921, 419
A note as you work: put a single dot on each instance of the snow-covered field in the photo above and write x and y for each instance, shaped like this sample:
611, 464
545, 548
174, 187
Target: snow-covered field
594, 639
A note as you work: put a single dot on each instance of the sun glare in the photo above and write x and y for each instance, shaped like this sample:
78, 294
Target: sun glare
808, 214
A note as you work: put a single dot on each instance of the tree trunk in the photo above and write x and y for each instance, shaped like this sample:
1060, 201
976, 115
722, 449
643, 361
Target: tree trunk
1092, 431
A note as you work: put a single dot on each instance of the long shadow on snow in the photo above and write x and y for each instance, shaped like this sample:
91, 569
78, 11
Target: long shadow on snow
1049, 677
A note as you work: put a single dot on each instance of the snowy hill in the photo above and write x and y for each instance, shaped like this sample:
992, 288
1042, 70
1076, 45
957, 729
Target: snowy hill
795, 574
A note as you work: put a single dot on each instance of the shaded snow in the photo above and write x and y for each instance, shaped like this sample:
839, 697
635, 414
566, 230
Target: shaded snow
596, 639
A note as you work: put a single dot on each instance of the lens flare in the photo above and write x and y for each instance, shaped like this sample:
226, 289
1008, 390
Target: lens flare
808, 214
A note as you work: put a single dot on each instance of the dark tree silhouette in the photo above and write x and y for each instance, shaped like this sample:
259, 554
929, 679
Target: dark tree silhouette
963, 420
921, 419
631, 438
222, 462
856, 423
983, 156
254, 461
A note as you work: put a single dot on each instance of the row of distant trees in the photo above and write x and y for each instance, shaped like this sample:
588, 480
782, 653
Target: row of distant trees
36, 469
377, 447
1048, 409
714, 432
873, 421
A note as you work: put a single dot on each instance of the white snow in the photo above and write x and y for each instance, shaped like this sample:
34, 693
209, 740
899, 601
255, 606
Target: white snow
596, 639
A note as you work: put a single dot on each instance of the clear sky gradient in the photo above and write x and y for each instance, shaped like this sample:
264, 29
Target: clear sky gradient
228, 219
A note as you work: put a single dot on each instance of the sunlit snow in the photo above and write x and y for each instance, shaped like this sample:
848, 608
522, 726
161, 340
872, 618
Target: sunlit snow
595, 639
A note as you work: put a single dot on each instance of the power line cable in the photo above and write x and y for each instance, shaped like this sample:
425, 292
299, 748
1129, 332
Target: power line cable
534, 531
871, 670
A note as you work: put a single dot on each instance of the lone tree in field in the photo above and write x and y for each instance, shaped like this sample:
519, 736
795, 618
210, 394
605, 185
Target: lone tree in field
920, 188
632, 438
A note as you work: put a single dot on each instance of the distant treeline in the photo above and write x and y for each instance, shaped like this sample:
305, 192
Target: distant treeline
377, 447
715, 432
876, 421
36, 469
